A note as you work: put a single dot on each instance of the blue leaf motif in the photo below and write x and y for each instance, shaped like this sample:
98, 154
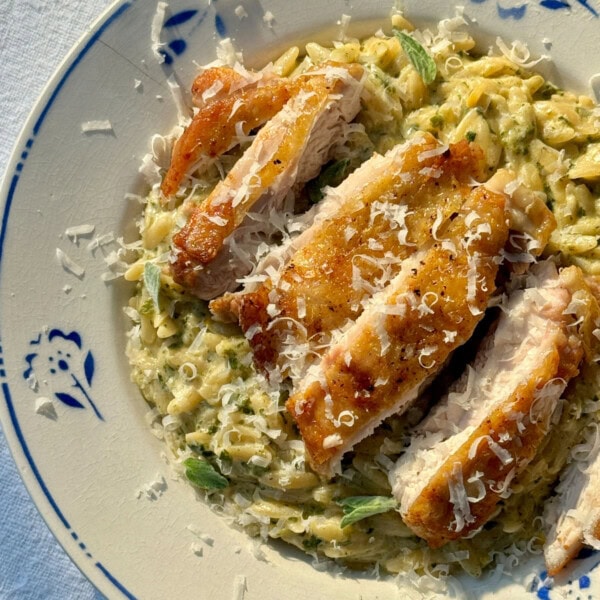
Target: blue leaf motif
220, 26
586, 4
88, 368
181, 17
68, 400
555, 4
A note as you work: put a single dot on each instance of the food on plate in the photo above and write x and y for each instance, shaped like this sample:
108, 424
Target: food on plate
366, 312
402, 339
463, 456
362, 231
574, 511
288, 151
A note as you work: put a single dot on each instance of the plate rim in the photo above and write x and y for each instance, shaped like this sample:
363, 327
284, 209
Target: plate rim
34, 482
93, 570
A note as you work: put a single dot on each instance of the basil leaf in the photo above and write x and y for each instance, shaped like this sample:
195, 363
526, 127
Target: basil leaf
202, 474
332, 174
360, 507
421, 61
152, 282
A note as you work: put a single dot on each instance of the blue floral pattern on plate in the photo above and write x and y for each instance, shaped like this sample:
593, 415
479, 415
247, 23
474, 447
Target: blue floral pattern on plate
59, 355
188, 20
517, 11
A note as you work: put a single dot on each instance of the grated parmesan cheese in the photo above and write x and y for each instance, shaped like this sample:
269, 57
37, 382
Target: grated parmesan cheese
156, 27
45, 407
458, 499
332, 441
77, 231
519, 53
69, 265
269, 19
240, 12
99, 126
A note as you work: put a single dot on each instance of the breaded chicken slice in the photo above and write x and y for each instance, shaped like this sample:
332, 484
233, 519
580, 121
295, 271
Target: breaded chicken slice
405, 334
574, 513
288, 151
215, 83
365, 228
464, 455
230, 108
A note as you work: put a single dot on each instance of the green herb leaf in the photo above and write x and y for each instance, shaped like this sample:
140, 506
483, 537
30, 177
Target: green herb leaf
202, 474
360, 507
332, 174
421, 61
152, 282
311, 543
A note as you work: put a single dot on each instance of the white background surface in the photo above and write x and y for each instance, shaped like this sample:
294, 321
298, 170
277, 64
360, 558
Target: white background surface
35, 36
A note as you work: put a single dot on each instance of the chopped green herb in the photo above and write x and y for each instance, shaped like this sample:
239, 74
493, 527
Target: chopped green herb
232, 359
566, 121
437, 121
311, 543
202, 474
421, 61
225, 459
147, 308
152, 282
245, 406
546, 91
360, 507
256, 470
332, 173
470, 136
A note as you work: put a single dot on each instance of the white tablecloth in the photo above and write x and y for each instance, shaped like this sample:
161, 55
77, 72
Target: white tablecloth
35, 35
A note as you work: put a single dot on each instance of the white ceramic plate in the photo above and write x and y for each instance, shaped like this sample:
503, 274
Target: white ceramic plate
63, 332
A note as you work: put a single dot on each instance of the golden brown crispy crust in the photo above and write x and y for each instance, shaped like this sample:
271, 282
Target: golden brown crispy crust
371, 383
509, 426
213, 129
321, 273
226, 77
202, 237
432, 513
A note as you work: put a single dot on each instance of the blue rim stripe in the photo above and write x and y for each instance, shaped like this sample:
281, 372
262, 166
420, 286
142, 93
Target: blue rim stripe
25, 447
7, 207
115, 582
111, 18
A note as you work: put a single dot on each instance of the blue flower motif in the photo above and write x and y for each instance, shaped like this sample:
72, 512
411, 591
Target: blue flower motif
517, 10
60, 356
188, 19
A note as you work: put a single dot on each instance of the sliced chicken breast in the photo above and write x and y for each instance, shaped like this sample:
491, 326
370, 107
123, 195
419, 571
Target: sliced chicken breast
405, 334
574, 513
288, 151
464, 455
218, 82
381, 214
221, 123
